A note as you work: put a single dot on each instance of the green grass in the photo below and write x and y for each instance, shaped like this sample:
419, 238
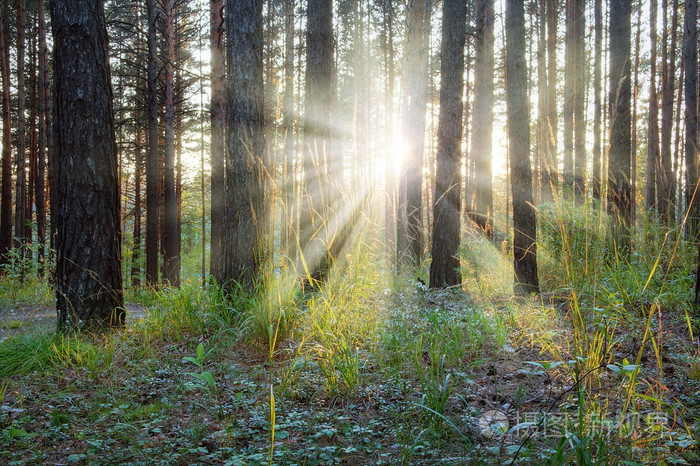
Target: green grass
373, 368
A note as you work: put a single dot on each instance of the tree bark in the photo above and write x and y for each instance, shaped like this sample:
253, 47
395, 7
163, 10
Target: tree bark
597, 101
218, 135
444, 268
152, 172
691, 118
524, 222
653, 127
244, 217
287, 228
552, 118
317, 133
21, 231
579, 82
43, 129
619, 189
84, 182
569, 97
666, 177
482, 118
171, 257
6, 209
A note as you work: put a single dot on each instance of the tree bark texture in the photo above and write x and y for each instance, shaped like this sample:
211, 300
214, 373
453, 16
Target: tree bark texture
43, 86
666, 185
218, 135
524, 221
84, 181
552, 117
597, 100
690, 51
619, 188
579, 82
22, 232
653, 127
244, 214
444, 268
317, 133
6, 208
171, 253
152, 172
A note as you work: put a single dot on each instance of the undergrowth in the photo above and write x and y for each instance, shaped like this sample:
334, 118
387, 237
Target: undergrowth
602, 367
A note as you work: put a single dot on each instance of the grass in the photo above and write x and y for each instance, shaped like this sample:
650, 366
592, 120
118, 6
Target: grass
373, 368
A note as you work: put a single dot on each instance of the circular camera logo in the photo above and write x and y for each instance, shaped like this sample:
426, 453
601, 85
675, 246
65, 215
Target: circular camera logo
493, 423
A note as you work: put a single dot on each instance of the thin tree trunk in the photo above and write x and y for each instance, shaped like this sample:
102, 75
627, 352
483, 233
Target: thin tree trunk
218, 136
542, 95
21, 174
6, 209
579, 81
482, 117
691, 118
569, 97
666, 185
524, 222
287, 234
552, 119
171, 260
635, 92
43, 138
152, 171
653, 127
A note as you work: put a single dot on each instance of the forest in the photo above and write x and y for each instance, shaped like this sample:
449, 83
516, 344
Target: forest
349, 232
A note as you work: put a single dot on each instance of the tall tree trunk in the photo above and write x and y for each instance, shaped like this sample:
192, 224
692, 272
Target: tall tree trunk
482, 118
524, 222
21, 230
633, 143
542, 95
218, 136
569, 97
691, 118
171, 258
152, 172
597, 103
43, 129
444, 268
85, 183
288, 199
552, 119
317, 133
389, 169
619, 202
6, 209
579, 82
244, 214
666, 178
409, 233
653, 128
136, 252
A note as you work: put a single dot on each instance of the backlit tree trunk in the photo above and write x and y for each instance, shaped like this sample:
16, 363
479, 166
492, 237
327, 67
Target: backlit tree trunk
22, 233
691, 117
653, 128
444, 268
597, 100
482, 118
84, 182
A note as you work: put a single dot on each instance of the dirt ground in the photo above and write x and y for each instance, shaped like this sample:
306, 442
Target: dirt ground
22, 318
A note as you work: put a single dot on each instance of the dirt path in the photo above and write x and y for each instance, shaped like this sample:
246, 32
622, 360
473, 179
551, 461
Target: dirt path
22, 318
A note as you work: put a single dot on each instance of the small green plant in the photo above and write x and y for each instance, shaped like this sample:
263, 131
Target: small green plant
435, 382
205, 378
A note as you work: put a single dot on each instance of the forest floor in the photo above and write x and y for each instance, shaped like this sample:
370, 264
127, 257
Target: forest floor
393, 377
602, 368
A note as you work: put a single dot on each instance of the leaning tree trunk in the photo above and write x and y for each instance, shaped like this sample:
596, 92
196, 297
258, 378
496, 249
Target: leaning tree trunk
84, 181
619, 188
524, 222
444, 268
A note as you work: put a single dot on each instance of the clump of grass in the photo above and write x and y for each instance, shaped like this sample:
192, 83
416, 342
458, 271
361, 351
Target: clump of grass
22, 354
